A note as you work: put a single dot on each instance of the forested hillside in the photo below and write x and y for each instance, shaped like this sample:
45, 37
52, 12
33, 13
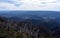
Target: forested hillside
29, 28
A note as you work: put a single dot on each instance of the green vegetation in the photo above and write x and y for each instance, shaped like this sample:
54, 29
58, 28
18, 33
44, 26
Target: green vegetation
24, 29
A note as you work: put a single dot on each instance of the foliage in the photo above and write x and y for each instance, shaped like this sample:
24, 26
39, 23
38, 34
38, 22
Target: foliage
24, 29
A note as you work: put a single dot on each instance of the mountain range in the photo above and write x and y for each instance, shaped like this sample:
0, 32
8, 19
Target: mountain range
44, 20
16, 15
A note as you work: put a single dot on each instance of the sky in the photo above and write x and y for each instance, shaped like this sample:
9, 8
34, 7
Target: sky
51, 5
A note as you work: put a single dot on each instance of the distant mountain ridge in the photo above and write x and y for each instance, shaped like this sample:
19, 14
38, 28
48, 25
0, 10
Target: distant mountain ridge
38, 13
31, 14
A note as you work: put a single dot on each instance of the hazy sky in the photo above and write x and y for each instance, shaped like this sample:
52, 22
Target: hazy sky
53, 5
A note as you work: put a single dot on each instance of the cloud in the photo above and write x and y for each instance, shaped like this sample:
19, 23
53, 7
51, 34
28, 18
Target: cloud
30, 5
7, 6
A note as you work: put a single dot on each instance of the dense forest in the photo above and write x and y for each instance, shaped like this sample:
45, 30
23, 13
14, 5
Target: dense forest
29, 28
